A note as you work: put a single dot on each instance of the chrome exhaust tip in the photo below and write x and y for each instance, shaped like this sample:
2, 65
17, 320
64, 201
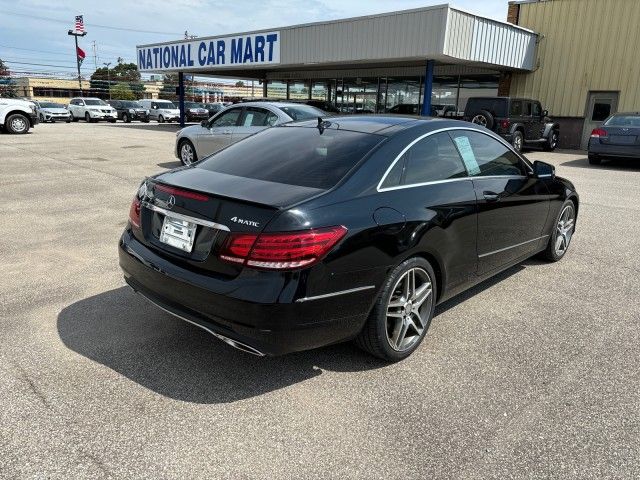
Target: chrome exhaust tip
239, 345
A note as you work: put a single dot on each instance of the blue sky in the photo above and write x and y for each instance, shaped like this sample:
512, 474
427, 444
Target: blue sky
34, 31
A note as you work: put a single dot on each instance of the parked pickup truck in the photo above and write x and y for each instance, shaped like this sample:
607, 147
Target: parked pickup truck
17, 116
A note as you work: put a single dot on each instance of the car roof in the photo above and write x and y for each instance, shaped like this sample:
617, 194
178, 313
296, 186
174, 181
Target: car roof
380, 124
629, 114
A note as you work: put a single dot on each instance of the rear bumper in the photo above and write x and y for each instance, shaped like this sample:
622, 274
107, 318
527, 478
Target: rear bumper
619, 151
230, 307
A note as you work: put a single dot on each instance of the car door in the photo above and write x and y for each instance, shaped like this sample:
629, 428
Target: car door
253, 120
430, 186
512, 205
218, 132
75, 106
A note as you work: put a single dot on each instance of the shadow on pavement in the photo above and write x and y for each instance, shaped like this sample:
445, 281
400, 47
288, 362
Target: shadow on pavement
153, 126
614, 164
170, 165
124, 332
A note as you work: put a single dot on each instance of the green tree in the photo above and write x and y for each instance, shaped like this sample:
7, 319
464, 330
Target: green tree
122, 91
8, 87
240, 83
126, 73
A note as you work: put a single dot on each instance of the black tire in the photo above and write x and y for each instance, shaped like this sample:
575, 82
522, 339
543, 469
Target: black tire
160, 119
113, 120
550, 253
87, 117
42, 120
552, 141
188, 145
374, 337
17, 123
73, 119
146, 120
68, 120
484, 118
517, 140
594, 159
125, 118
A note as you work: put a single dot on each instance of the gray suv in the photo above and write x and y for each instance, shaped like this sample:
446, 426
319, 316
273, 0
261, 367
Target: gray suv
520, 121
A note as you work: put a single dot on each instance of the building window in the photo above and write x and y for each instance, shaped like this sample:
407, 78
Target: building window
276, 89
298, 90
402, 91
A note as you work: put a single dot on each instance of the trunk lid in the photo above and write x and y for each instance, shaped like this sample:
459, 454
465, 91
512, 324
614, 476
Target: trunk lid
187, 214
621, 136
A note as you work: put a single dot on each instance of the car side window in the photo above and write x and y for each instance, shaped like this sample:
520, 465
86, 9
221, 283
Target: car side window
536, 109
431, 159
527, 108
256, 117
516, 108
485, 156
228, 118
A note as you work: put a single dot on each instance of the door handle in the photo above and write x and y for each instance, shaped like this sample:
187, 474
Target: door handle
491, 196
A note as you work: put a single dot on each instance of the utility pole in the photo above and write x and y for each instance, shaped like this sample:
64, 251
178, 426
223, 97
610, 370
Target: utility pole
75, 35
95, 55
108, 79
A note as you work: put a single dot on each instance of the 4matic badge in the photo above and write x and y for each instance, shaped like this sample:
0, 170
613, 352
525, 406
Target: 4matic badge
242, 221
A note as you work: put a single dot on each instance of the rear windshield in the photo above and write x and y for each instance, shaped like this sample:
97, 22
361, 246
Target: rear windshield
623, 121
496, 106
294, 156
302, 112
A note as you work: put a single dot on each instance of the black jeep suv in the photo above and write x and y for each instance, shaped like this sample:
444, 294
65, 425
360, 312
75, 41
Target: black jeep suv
520, 121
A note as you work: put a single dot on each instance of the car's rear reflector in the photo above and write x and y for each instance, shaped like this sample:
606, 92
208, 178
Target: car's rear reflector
281, 251
598, 133
134, 212
181, 193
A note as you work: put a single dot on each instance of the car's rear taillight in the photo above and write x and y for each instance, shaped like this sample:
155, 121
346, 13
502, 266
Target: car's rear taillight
281, 251
505, 124
134, 212
598, 133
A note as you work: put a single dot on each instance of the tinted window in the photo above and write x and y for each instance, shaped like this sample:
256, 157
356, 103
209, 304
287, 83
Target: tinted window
536, 109
485, 156
294, 156
166, 105
624, 121
432, 158
516, 108
497, 106
302, 112
228, 118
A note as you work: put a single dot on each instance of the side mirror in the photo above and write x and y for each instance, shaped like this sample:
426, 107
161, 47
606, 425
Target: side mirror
543, 170
203, 123
545, 113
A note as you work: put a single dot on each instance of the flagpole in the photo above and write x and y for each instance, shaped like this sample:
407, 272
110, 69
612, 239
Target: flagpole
76, 35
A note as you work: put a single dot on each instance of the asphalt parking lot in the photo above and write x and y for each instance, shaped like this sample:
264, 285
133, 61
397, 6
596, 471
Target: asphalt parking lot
534, 374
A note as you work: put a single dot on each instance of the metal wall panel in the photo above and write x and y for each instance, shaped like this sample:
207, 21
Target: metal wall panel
479, 39
585, 45
396, 35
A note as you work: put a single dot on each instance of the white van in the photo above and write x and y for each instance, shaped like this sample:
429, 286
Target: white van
161, 110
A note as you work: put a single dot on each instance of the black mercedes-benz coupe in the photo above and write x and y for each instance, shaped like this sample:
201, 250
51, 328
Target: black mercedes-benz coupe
344, 228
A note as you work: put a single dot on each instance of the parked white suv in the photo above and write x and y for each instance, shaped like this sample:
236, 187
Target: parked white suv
17, 116
92, 110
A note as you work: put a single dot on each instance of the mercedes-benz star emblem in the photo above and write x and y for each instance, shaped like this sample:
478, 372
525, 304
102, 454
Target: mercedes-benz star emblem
171, 202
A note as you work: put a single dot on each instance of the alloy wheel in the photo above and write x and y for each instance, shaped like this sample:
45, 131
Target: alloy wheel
19, 124
479, 120
565, 228
408, 309
517, 142
186, 153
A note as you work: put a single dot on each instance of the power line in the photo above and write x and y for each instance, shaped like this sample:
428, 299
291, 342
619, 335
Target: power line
95, 25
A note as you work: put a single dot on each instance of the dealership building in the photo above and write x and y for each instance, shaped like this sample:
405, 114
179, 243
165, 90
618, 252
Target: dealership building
432, 59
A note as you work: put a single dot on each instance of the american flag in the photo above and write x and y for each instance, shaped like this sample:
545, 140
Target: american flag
79, 24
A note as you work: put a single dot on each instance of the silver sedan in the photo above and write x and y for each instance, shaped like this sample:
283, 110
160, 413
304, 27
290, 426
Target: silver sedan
235, 123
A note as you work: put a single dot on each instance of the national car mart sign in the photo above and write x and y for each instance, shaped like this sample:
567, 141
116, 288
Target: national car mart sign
245, 50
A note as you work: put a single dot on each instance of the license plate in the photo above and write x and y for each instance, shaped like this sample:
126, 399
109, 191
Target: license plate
178, 233
622, 139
